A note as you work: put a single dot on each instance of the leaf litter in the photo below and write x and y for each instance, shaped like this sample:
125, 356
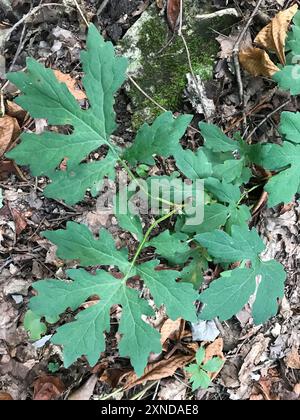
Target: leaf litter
256, 365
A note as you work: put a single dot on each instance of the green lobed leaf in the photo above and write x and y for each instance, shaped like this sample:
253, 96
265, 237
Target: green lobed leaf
194, 165
78, 243
288, 77
161, 138
172, 247
240, 245
270, 289
45, 97
199, 378
213, 365
33, 324
85, 335
177, 297
227, 295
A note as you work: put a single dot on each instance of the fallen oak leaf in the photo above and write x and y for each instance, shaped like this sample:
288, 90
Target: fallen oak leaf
273, 36
71, 85
159, 370
257, 62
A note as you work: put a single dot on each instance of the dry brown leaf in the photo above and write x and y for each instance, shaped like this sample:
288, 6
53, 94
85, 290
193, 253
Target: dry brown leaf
5, 396
85, 392
14, 110
273, 36
173, 11
71, 85
171, 330
159, 370
9, 131
47, 388
214, 349
20, 221
257, 62
292, 360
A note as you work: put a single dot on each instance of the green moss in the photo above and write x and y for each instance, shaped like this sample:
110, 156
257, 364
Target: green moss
163, 64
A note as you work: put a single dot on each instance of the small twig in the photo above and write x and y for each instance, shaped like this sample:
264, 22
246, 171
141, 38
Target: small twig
236, 51
266, 119
146, 94
102, 7
190, 61
81, 12
28, 15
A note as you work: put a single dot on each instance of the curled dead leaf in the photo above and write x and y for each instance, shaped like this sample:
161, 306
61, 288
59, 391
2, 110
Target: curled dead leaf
47, 388
9, 131
292, 360
257, 62
159, 370
71, 85
171, 330
173, 11
215, 349
273, 36
5, 396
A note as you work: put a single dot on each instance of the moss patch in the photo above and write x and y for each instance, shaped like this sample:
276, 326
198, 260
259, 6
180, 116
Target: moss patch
162, 64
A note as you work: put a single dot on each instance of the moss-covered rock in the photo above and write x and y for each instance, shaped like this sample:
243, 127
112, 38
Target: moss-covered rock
159, 60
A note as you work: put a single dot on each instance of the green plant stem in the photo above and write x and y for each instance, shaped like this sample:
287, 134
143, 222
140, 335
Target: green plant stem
131, 174
145, 239
246, 193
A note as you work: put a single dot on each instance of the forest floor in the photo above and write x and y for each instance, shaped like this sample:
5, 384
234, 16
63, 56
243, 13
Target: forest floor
262, 362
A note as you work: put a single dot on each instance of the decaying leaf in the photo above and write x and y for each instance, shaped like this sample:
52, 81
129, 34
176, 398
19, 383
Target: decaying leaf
5, 396
292, 360
71, 85
173, 11
85, 392
257, 62
9, 131
47, 388
159, 370
171, 330
273, 36
214, 349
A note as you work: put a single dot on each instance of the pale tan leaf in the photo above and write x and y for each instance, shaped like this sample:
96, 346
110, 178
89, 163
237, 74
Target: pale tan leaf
171, 330
159, 370
9, 131
257, 62
5, 396
292, 360
273, 36
214, 349
85, 392
71, 85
